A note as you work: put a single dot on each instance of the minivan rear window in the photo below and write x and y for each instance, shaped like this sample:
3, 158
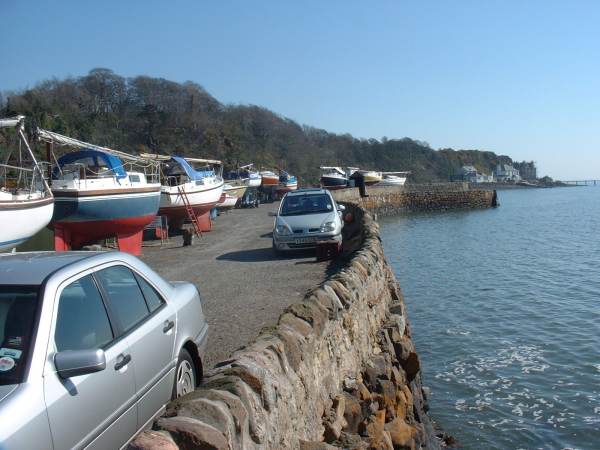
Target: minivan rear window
18, 309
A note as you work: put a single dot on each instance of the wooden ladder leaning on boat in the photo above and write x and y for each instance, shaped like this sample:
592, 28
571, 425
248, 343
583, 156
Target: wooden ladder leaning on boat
190, 211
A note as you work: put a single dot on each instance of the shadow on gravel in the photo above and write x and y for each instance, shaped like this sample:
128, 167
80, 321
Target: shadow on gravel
267, 235
254, 255
261, 255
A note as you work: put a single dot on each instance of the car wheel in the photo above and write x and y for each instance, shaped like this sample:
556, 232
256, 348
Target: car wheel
185, 375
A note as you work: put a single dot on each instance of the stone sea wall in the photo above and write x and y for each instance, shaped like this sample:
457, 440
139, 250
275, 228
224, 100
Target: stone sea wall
385, 201
339, 370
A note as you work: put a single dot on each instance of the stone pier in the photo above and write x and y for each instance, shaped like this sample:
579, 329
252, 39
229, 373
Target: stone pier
339, 370
390, 200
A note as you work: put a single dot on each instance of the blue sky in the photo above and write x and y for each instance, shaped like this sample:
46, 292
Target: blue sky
520, 78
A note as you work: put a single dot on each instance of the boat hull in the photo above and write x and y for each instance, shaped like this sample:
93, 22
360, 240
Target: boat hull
84, 216
399, 181
333, 183
94, 206
227, 202
287, 187
371, 180
201, 201
21, 220
236, 191
253, 182
270, 181
102, 229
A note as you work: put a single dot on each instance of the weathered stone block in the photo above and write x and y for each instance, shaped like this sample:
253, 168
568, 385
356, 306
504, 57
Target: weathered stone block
315, 445
411, 366
328, 300
341, 291
213, 413
376, 435
353, 413
292, 346
297, 324
387, 389
236, 407
350, 441
311, 312
256, 414
153, 440
193, 434
403, 347
336, 421
402, 434
379, 366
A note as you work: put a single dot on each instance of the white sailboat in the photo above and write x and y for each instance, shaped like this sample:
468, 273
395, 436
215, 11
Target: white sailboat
250, 177
96, 197
202, 186
26, 202
229, 198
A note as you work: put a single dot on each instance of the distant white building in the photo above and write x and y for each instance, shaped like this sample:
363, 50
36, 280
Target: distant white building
506, 172
470, 174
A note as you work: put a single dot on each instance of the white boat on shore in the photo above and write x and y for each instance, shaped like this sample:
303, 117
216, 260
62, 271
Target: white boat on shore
234, 190
97, 197
393, 178
254, 179
228, 200
333, 178
244, 176
26, 202
202, 186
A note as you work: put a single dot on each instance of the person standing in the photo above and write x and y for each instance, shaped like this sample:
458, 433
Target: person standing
359, 181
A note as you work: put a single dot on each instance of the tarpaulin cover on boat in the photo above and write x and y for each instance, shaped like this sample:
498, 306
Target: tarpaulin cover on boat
286, 177
97, 158
189, 170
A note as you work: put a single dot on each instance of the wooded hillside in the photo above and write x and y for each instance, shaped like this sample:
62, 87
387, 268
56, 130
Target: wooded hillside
153, 114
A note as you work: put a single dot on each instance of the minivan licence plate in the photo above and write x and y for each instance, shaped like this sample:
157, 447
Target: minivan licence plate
305, 240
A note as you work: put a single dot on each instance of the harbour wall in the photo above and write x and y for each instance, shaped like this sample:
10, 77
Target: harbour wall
339, 370
390, 200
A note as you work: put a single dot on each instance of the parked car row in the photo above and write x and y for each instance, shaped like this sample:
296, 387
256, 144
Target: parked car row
92, 347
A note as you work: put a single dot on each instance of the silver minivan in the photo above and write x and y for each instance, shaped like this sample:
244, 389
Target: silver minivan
304, 218
92, 346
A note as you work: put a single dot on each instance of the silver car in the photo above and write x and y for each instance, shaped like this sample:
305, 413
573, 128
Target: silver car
305, 217
92, 346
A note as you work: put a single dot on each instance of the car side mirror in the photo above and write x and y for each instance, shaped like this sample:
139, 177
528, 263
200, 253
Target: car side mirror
72, 363
341, 208
272, 214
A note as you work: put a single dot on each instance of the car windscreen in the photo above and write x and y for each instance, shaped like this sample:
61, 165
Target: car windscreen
296, 205
18, 307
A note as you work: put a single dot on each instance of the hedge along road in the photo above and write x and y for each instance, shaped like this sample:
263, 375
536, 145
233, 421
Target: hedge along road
244, 286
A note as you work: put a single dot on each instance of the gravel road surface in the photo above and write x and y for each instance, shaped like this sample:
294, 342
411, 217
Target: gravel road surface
244, 286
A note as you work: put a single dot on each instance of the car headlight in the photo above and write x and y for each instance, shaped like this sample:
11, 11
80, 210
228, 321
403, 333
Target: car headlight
327, 227
282, 230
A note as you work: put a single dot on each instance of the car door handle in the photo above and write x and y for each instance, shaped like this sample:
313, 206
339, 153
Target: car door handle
122, 361
168, 325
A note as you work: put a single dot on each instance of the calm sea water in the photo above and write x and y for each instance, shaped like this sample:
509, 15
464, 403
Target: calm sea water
505, 309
